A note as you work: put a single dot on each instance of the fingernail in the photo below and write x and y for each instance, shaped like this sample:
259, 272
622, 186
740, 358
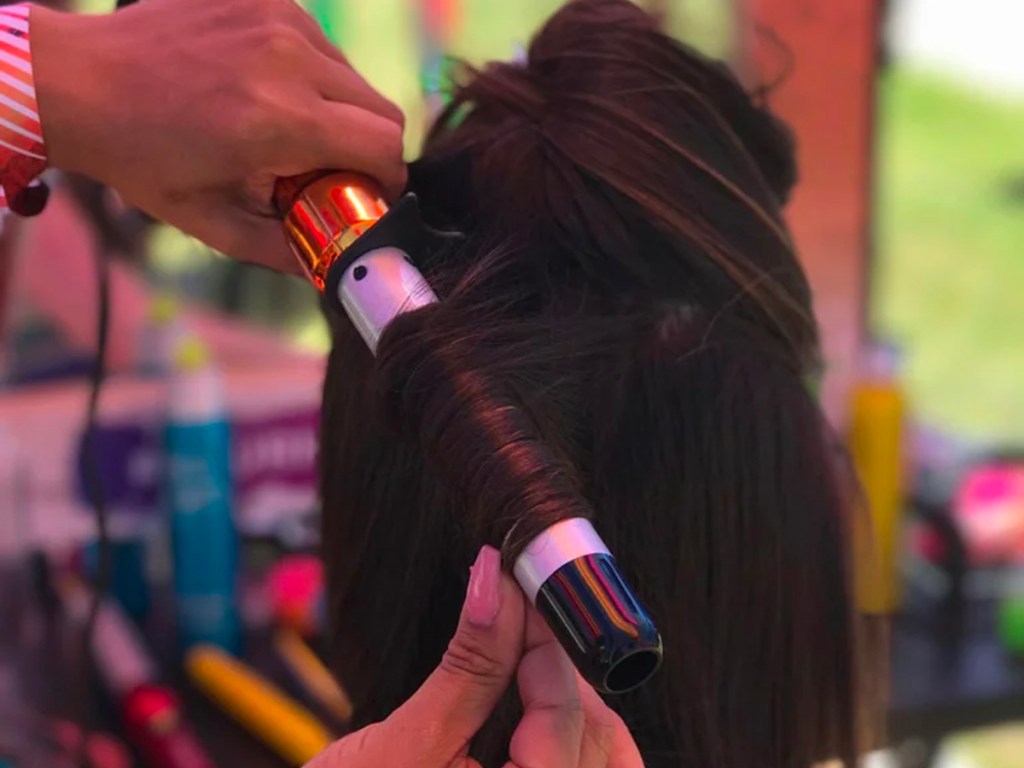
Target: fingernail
483, 598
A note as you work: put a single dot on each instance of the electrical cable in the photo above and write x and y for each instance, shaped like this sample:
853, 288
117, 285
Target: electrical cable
93, 477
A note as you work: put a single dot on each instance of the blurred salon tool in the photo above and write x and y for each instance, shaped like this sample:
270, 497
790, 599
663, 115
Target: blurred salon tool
151, 714
268, 714
312, 675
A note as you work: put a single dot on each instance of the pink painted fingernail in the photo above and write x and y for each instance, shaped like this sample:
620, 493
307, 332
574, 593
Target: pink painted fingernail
483, 598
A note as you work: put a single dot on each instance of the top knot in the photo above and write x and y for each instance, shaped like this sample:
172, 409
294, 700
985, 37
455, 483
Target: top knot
510, 88
621, 158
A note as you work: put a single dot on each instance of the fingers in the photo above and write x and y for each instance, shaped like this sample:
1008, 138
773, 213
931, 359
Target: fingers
606, 740
550, 733
357, 129
435, 726
565, 723
350, 138
313, 33
338, 81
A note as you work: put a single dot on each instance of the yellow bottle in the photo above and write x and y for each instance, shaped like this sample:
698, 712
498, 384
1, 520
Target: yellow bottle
876, 442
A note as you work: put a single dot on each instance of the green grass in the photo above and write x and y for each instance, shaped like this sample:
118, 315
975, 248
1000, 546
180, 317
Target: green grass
950, 271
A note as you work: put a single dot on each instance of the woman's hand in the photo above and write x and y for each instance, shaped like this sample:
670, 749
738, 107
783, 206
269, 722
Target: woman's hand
191, 109
565, 724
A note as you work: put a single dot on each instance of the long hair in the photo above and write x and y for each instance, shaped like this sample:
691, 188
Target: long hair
627, 280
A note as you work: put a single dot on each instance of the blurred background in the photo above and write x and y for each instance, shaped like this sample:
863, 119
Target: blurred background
909, 217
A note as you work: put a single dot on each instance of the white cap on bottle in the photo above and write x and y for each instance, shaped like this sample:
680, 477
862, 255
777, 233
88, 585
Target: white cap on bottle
196, 393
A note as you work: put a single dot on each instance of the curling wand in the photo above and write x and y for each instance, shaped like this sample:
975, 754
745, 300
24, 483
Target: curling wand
361, 255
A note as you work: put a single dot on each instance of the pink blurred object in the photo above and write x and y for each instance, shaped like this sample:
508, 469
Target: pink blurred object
441, 17
927, 543
989, 509
103, 751
295, 586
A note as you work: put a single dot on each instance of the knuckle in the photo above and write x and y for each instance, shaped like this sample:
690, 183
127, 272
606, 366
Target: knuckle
603, 728
468, 657
262, 12
318, 134
569, 710
281, 42
600, 732
392, 143
358, 743
401, 176
268, 9
258, 123
396, 115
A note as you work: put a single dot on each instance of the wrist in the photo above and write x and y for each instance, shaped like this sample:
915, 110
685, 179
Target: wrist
67, 60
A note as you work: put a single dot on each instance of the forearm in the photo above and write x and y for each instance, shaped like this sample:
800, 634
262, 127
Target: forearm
85, 110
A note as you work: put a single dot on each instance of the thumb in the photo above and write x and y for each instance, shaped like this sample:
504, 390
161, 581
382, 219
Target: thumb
435, 726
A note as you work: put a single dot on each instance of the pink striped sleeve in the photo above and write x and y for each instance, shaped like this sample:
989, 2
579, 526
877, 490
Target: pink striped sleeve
22, 151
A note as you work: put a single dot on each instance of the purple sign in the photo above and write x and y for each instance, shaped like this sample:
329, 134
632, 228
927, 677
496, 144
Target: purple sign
273, 461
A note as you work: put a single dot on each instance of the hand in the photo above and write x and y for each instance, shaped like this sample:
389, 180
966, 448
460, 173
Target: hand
191, 109
565, 724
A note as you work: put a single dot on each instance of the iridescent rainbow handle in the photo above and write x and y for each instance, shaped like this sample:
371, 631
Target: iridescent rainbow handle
360, 254
573, 580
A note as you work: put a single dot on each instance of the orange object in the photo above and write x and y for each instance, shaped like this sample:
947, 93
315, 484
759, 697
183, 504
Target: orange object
324, 216
311, 672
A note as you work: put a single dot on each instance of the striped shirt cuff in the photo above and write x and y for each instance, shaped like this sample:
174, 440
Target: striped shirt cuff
22, 151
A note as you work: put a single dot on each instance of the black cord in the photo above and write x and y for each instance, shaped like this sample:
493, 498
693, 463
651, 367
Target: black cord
93, 478
94, 489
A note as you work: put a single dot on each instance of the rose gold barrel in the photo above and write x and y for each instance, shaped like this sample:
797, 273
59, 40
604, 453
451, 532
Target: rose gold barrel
324, 213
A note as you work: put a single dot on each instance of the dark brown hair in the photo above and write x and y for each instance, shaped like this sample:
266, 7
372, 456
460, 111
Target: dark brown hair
628, 282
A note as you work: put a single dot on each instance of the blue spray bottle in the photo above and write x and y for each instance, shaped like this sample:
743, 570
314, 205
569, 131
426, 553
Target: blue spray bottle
204, 540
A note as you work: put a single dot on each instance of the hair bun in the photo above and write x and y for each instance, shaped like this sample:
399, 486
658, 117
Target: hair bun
624, 48
505, 89
553, 69
768, 140
600, 49
621, 157
585, 47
